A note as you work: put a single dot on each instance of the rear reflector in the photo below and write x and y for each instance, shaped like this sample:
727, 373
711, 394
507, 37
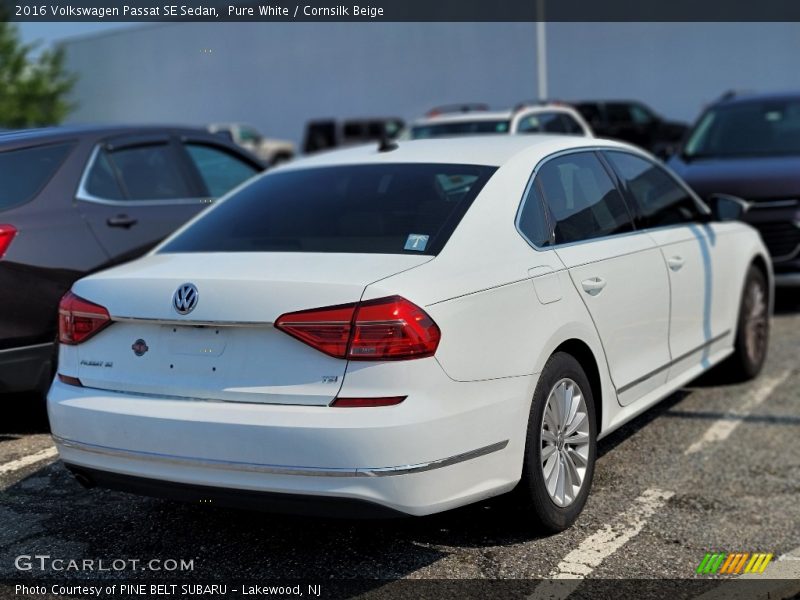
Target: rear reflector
367, 402
7, 233
69, 380
389, 328
79, 319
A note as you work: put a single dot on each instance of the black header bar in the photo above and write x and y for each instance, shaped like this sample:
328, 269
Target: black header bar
402, 10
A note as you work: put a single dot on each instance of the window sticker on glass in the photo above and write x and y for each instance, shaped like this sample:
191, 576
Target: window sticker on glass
416, 241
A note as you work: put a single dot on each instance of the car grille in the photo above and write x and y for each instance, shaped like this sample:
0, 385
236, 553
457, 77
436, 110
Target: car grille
782, 239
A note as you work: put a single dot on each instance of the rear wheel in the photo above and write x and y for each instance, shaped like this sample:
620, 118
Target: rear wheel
752, 332
561, 445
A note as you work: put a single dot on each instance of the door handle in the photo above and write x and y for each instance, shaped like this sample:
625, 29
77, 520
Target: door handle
675, 262
594, 285
123, 221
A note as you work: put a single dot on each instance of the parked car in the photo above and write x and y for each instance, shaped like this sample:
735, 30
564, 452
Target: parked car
407, 330
78, 199
327, 134
474, 119
749, 146
271, 151
634, 122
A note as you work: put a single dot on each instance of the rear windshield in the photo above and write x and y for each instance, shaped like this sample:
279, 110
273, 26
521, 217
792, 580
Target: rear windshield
419, 132
25, 171
376, 209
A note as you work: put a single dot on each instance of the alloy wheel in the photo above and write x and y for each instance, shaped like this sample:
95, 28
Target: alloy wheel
564, 442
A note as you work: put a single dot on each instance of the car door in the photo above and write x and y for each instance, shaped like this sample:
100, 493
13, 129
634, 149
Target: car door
135, 191
618, 272
694, 253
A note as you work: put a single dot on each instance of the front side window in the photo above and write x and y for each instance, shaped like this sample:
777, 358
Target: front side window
582, 199
220, 171
146, 172
661, 200
373, 209
25, 171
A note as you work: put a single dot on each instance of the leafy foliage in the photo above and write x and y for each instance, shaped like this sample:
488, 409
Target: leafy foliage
33, 87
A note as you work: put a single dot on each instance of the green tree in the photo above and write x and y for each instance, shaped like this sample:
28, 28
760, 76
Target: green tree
33, 87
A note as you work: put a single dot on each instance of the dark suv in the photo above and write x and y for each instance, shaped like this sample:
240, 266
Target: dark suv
634, 122
74, 200
749, 146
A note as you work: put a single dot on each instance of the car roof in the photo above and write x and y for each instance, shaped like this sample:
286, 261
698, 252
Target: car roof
72, 131
485, 115
745, 98
489, 149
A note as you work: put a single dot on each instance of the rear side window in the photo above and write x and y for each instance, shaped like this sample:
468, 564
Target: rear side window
532, 221
145, 172
374, 209
25, 172
582, 199
220, 171
661, 200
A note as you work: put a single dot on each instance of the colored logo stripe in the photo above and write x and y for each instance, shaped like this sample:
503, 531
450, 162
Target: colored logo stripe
734, 563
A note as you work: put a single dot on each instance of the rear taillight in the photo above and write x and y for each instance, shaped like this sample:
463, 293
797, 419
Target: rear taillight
7, 233
79, 319
384, 329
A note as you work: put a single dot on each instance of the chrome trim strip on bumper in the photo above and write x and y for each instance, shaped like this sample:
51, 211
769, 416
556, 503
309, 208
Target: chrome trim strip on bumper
280, 469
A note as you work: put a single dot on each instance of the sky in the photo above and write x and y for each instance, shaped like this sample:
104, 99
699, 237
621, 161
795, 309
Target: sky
48, 33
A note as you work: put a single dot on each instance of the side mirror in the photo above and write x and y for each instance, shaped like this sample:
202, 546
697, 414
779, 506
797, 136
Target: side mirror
725, 207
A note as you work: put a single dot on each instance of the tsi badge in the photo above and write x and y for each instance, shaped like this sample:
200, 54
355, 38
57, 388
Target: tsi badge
185, 299
140, 347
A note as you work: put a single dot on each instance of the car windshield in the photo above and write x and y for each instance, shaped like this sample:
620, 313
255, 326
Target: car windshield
460, 128
405, 208
765, 128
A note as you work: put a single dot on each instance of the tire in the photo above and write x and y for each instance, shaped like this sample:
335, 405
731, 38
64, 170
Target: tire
752, 329
538, 493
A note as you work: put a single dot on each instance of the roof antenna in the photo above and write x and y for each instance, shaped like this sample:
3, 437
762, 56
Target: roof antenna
386, 144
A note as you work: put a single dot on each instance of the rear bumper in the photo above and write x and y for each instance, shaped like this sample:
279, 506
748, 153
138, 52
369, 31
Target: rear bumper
26, 368
295, 504
422, 456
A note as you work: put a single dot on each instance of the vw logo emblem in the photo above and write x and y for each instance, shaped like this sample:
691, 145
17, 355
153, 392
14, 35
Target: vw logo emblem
185, 299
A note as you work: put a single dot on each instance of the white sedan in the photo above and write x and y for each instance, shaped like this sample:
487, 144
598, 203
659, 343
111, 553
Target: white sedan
408, 329
458, 120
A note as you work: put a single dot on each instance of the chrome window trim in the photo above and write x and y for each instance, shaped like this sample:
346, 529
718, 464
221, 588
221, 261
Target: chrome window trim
531, 180
83, 194
281, 469
701, 205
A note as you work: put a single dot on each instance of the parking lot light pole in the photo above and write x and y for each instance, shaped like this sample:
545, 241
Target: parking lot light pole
541, 51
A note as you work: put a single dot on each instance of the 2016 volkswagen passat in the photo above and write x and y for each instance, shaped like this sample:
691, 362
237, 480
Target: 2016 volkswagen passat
408, 330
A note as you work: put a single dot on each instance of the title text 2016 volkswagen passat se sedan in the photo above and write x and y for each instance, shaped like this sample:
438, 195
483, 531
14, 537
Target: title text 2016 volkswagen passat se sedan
409, 330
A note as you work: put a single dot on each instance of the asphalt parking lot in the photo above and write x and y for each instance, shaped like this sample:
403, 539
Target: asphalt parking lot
714, 467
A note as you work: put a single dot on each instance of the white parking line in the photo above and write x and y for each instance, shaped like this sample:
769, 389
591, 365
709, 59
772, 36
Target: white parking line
584, 559
27, 461
720, 430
